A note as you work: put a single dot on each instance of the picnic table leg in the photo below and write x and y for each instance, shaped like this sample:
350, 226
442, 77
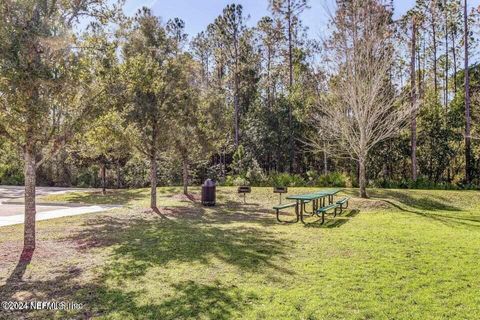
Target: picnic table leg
301, 211
297, 212
293, 221
342, 207
278, 216
314, 206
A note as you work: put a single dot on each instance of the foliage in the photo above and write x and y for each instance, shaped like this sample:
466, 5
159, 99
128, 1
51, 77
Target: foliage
11, 171
188, 106
332, 179
285, 180
435, 139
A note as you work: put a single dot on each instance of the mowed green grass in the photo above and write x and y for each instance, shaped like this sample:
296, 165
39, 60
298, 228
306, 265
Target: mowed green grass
403, 254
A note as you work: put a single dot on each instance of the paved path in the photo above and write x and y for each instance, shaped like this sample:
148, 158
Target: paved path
11, 214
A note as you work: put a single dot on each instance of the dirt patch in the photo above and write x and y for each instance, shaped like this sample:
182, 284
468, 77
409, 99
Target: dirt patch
183, 212
192, 197
369, 204
11, 251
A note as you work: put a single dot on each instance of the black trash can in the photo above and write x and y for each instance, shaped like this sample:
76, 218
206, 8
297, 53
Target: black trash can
208, 193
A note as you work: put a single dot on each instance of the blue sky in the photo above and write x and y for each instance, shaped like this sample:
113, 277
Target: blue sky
197, 14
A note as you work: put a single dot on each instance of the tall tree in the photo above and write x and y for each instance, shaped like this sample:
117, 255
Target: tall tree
433, 22
202, 51
228, 29
48, 88
149, 75
289, 11
186, 117
413, 95
269, 34
468, 119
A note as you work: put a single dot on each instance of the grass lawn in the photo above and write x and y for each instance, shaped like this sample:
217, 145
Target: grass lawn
401, 255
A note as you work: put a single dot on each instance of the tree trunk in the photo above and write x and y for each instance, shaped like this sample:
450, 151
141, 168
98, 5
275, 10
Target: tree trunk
223, 164
290, 84
153, 182
236, 113
362, 178
468, 151
454, 51
185, 176
104, 178
419, 75
446, 59
236, 101
153, 166
30, 208
269, 80
413, 97
434, 36
325, 160
119, 176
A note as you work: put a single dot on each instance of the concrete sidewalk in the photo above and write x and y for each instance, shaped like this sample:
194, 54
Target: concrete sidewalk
12, 206
9, 220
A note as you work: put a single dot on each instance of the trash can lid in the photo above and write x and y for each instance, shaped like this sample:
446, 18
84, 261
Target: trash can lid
209, 183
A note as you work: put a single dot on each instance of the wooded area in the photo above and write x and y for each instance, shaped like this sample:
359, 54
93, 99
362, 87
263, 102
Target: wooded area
135, 102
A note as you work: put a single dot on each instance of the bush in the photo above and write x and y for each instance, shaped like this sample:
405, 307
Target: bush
11, 165
333, 179
286, 180
235, 181
11, 174
87, 177
255, 175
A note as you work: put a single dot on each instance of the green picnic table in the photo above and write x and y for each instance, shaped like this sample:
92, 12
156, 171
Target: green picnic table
317, 199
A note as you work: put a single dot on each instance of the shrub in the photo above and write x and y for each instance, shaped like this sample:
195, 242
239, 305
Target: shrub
235, 181
255, 175
333, 179
286, 180
11, 174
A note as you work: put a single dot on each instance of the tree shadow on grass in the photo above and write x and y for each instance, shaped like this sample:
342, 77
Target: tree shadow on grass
421, 203
336, 222
135, 247
20, 268
190, 299
141, 244
236, 211
59, 288
113, 197
448, 219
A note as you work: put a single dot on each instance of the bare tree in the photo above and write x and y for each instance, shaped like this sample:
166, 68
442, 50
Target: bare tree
361, 107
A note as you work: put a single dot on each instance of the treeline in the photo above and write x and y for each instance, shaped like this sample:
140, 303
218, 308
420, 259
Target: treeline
133, 101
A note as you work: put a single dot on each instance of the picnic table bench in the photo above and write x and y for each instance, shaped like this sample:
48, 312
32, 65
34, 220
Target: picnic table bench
319, 205
285, 206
